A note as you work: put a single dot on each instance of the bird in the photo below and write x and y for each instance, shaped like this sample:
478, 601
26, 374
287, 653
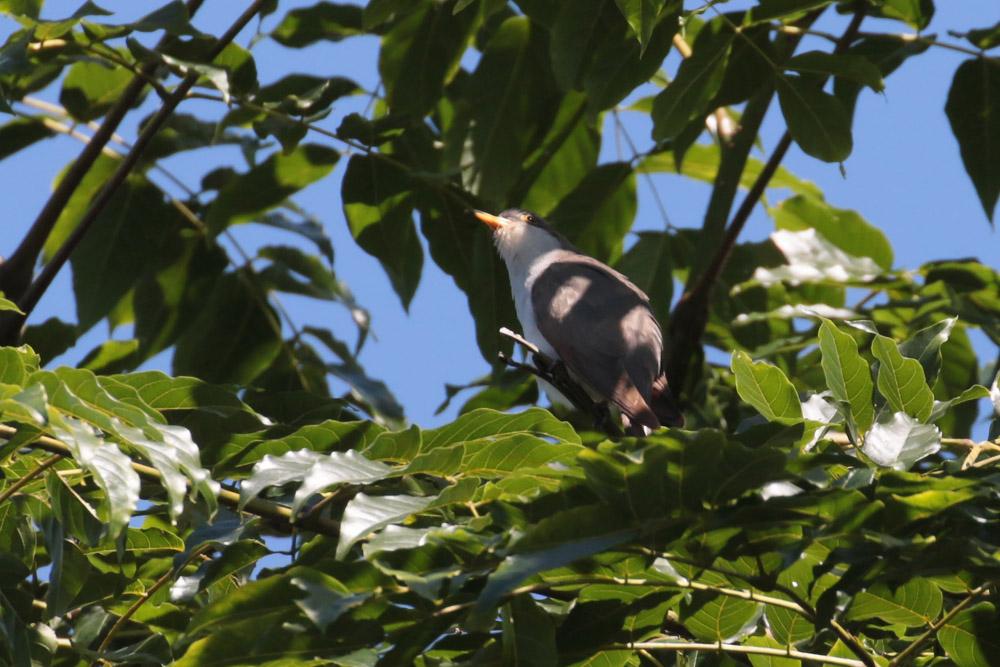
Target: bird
581, 312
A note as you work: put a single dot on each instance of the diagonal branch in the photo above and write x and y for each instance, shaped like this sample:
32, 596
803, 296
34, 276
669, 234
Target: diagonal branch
11, 325
691, 313
16, 271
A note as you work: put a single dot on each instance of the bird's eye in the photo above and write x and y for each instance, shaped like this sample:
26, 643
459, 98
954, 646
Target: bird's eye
530, 219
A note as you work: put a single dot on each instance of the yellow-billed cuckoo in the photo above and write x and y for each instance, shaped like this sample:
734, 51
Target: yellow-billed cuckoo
585, 314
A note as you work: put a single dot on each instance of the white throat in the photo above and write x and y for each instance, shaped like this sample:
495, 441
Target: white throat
522, 246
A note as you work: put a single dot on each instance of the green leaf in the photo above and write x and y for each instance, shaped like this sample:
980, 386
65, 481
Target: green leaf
916, 603
843, 228
79, 201
233, 339
970, 637
464, 250
326, 598
305, 94
563, 158
16, 364
420, 54
378, 205
529, 636
133, 232
322, 21
313, 470
857, 68
20, 133
813, 259
505, 112
366, 514
901, 442
698, 80
516, 568
766, 388
90, 89
642, 16
847, 374
901, 380
113, 356
713, 617
925, 347
975, 121
268, 184
985, 38
573, 39
111, 468
817, 120
620, 64
701, 162
915, 13
598, 213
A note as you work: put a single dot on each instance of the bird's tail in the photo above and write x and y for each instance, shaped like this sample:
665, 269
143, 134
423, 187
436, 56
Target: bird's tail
663, 403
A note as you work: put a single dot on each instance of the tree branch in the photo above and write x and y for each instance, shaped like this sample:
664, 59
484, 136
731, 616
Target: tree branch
11, 324
143, 598
16, 272
555, 373
687, 325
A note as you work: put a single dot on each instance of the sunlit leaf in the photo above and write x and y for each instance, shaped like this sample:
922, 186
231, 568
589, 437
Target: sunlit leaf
766, 388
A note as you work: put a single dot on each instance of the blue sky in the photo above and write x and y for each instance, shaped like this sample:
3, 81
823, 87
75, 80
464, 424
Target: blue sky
905, 176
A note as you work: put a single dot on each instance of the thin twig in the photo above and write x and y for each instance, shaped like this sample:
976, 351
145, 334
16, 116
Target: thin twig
901, 36
33, 473
230, 499
144, 597
737, 648
917, 644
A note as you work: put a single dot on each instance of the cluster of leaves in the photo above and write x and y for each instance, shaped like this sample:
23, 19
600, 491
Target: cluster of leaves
825, 505
777, 539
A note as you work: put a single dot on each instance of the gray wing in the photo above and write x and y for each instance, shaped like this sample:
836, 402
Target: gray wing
603, 329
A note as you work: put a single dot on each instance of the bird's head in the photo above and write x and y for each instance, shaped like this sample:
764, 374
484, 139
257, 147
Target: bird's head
522, 235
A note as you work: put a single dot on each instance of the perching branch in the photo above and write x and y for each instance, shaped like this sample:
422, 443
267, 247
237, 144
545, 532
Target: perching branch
555, 373
11, 324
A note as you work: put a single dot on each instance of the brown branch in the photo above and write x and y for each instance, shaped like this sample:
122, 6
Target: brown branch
691, 313
143, 598
16, 272
555, 373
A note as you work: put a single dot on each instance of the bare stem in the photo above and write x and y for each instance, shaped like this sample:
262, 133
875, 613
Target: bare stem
33, 473
736, 648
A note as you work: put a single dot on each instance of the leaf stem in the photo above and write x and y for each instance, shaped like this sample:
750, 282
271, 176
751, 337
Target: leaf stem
230, 499
33, 473
737, 648
917, 644
143, 598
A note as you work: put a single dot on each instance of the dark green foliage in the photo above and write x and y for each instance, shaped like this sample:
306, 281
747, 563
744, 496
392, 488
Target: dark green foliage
823, 504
